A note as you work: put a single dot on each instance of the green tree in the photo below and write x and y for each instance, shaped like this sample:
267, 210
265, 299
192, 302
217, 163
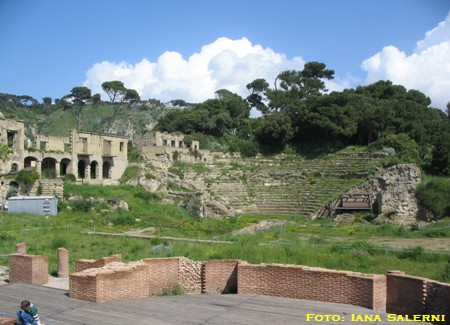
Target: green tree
5, 151
275, 130
290, 87
115, 90
440, 163
118, 95
80, 97
257, 95
47, 101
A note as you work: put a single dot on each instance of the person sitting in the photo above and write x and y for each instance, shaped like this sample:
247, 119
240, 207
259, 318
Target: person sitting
28, 315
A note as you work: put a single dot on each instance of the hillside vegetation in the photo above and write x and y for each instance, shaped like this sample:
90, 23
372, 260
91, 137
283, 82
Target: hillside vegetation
297, 240
305, 148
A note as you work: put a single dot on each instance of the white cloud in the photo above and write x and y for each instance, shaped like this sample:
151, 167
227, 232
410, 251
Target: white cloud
427, 69
224, 63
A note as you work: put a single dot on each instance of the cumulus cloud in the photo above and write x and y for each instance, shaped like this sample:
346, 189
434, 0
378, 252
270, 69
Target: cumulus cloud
224, 63
427, 69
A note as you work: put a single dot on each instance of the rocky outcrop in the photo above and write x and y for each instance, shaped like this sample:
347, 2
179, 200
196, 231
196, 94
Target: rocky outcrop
394, 192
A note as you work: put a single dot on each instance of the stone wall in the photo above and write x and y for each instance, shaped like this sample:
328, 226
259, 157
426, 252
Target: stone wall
395, 193
49, 187
28, 269
410, 295
190, 276
313, 284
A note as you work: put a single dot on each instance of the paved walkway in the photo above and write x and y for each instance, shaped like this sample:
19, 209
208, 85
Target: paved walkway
56, 308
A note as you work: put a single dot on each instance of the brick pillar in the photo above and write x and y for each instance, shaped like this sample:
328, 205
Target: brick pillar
21, 248
63, 262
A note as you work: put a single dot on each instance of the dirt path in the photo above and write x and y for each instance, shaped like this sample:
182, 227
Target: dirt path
431, 244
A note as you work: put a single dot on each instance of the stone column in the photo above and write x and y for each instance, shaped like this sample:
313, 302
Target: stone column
21, 248
57, 168
39, 166
63, 263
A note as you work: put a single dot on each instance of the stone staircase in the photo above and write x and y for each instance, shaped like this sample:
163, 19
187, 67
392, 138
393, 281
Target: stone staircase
284, 185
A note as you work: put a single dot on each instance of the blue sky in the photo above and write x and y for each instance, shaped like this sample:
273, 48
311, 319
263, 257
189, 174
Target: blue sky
188, 49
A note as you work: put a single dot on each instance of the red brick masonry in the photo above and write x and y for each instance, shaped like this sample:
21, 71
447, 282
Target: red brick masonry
28, 268
108, 279
115, 281
409, 295
313, 284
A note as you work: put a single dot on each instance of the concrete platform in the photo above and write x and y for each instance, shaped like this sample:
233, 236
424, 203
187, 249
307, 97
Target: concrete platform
56, 308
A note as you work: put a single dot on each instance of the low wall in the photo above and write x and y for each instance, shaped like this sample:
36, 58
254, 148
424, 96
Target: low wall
221, 276
115, 281
28, 269
313, 284
395, 293
163, 274
409, 295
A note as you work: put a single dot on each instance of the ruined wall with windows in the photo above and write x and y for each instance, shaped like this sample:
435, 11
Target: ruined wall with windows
169, 147
91, 157
99, 156
51, 144
12, 135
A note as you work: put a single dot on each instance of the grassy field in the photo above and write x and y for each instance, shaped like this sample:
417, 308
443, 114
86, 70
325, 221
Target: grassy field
298, 241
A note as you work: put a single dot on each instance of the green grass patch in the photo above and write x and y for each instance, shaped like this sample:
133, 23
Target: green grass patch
298, 241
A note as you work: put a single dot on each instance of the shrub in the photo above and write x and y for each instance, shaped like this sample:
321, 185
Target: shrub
174, 290
162, 248
134, 155
49, 174
123, 219
446, 273
248, 149
406, 148
28, 177
435, 196
69, 178
58, 242
146, 196
82, 205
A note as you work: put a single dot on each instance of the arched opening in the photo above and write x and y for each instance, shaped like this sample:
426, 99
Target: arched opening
106, 173
13, 190
64, 165
94, 167
30, 162
14, 167
48, 167
81, 169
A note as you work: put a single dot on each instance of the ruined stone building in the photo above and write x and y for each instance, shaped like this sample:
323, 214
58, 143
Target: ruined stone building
164, 147
87, 155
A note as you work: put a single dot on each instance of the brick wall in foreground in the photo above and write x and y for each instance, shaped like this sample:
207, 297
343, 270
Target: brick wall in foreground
28, 269
115, 281
317, 284
414, 295
220, 276
163, 274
